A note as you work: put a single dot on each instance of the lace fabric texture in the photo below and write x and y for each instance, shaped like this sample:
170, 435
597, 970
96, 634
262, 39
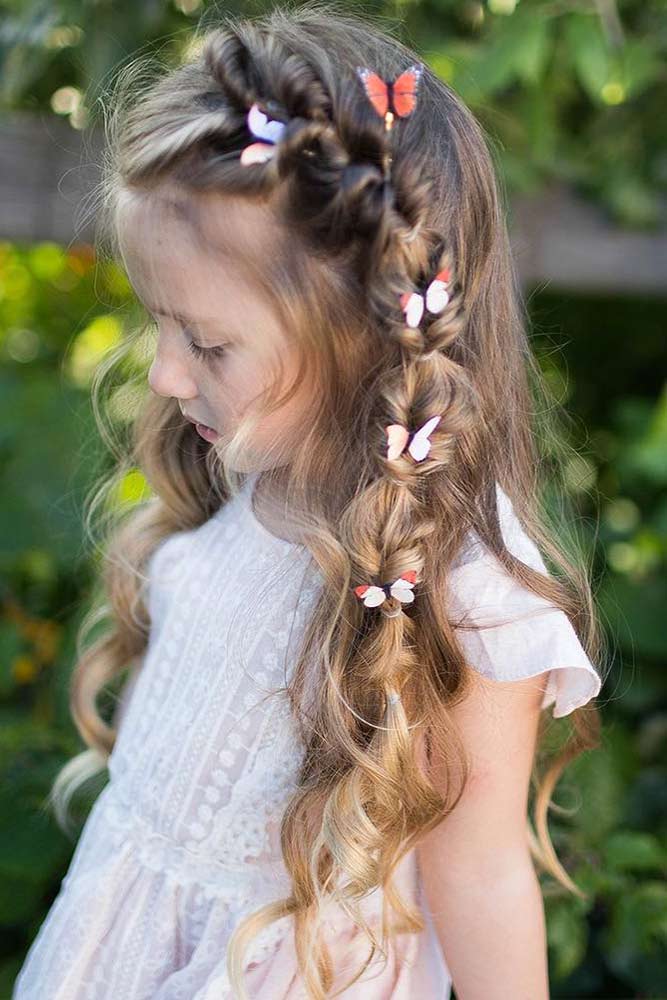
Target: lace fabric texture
184, 839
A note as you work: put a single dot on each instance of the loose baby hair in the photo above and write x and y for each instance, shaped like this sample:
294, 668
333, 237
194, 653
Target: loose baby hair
374, 215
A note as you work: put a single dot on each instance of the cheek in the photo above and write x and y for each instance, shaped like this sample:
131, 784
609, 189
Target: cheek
240, 383
288, 422
244, 376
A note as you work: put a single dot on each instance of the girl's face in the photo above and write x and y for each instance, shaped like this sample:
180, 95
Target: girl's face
220, 339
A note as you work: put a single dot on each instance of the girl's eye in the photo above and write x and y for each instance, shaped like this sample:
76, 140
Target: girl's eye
207, 353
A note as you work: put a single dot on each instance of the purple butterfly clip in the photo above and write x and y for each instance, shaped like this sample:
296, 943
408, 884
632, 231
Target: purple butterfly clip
267, 130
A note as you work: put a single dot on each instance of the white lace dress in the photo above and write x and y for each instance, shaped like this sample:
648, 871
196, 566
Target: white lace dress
183, 840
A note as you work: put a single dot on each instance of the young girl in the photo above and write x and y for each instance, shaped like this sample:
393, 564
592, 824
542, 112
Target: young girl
342, 633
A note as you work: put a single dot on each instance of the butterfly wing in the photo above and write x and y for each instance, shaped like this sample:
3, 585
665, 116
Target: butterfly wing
404, 90
262, 126
401, 589
371, 596
437, 296
412, 304
257, 152
376, 89
420, 445
397, 438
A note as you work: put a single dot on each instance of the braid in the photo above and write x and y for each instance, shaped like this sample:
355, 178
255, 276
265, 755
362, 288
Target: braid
339, 188
427, 387
348, 184
426, 393
249, 68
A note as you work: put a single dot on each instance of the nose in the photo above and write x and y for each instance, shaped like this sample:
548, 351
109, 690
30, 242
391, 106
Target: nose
169, 373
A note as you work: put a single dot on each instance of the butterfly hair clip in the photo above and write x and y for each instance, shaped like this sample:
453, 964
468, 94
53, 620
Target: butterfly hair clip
402, 589
434, 299
267, 130
418, 442
392, 98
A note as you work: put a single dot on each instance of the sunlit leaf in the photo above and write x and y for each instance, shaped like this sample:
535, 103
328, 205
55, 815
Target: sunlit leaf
588, 50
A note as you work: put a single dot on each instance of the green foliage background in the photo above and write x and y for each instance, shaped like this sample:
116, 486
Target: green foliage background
574, 91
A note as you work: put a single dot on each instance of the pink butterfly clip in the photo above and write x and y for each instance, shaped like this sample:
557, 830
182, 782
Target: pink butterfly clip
435, 299
401, 589
419, 444
267, 130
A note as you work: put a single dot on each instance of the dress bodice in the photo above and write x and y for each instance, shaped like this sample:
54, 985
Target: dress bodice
208, 753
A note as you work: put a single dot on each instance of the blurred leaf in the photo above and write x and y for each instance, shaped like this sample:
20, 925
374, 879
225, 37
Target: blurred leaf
19, 897
637, 937
633, 199
588, 50
649, 455
41, 510
627, 850
541, 129
595, 783
11, 645
32, 847
9, 970
532, 28
567, 936
635, 610
22, 48
517, 48
641, 64
647, 801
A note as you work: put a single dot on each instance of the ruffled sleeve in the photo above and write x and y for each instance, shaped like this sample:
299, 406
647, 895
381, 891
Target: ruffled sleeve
525, 634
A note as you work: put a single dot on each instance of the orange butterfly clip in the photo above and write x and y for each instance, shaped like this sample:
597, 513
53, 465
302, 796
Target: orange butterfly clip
392, 98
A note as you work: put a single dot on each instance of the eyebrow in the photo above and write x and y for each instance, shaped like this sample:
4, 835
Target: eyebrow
196, 321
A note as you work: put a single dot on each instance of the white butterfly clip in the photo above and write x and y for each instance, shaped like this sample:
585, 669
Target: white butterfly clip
268, 130
401, 589
419, 444
434, 299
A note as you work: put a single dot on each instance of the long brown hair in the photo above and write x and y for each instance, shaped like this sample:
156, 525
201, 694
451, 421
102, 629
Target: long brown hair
358, 239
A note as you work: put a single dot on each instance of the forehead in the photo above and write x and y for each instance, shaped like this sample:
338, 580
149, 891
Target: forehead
200, 254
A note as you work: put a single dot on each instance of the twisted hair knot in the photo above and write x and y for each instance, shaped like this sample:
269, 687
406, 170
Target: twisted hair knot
340, 186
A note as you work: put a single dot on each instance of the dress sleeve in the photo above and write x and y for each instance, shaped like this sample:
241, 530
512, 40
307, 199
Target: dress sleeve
125, 696
524, 635
163, 569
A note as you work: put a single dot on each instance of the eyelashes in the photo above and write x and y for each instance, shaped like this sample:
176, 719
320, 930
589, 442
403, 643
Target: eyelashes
206, 353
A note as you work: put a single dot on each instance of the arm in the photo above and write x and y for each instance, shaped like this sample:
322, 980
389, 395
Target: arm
479, 880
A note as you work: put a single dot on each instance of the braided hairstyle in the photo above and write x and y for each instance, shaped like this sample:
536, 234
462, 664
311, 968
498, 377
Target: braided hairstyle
374, 214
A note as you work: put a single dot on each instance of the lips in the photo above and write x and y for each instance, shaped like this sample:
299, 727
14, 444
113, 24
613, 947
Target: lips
193, 421
208, 433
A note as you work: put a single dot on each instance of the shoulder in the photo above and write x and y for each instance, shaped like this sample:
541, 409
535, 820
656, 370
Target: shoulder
516, 539
507, 632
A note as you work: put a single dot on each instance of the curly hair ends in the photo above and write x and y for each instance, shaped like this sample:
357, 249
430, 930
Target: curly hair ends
359, 238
